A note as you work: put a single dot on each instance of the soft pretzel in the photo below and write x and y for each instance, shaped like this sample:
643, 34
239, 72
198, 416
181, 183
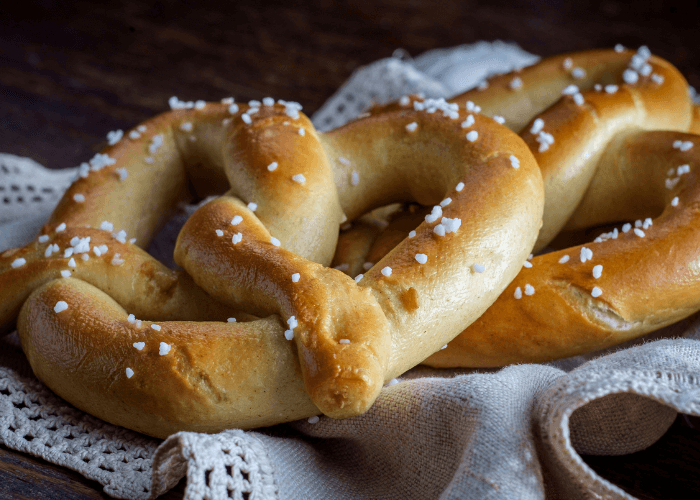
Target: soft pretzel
134, 343
604, 161
656, 98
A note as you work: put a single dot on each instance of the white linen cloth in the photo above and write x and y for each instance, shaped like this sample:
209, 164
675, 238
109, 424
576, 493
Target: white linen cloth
516, 432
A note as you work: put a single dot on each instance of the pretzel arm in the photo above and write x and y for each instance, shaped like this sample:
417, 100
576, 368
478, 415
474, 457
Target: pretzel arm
173, 381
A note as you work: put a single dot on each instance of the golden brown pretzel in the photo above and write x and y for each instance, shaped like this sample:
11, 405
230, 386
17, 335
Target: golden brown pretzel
656, 98
573, 310
139, 345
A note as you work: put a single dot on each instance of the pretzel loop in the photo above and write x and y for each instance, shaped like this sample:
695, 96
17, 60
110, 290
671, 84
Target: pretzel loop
142, 346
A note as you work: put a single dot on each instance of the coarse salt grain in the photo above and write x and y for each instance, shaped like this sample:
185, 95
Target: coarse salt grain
386, 271
478, 268
129, 372
564, 259
411, 127
459, 187
61, 227
219, 232
421, 258
131, 318
630, 76
79, 198
231, 320
468, 122
596, 292
527, 264
586, 254
163, 349
114, 137
674, 202
155, 327
344, 341
252, 206
60, 306
295, 277
302, 132
272, 166
597, 271
18, 262
122, 173
639, 232
139, 345
516, 83
445, 202
529, 289
434, 215
71, 262
274, 241
472, 136
412, 234
43, 238
537, 126
237, 219
299, 178
518, 293
354, 178
514, 161
313, 420
65, 273
156, 143
236, 238
359, 277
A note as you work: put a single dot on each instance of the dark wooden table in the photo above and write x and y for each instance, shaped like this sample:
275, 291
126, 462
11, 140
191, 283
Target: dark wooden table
70, 72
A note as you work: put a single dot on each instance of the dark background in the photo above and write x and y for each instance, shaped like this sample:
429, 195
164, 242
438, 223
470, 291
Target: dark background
72, 71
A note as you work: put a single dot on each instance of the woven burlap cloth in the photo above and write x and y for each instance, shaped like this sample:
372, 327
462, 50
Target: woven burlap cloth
517, 432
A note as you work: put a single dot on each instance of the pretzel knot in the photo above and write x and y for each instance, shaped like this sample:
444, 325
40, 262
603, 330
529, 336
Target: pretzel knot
608, 131
116, 333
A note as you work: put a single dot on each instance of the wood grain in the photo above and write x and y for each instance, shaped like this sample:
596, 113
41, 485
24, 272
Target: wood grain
71, 71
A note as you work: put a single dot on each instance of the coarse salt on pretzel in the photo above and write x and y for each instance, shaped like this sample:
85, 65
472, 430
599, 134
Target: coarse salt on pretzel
601, 94
606, 164
120, 336
628, 282
632, 280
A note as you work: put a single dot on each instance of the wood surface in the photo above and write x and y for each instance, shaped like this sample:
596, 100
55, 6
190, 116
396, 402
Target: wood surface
72, 71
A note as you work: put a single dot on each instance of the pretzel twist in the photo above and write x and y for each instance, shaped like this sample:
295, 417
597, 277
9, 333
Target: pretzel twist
618, 153
148, 348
